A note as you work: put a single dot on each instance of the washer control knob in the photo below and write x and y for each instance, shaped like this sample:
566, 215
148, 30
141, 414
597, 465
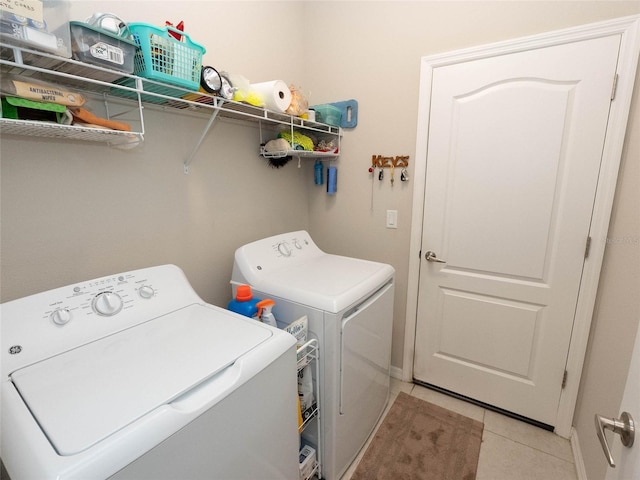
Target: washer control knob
145, 291
284, 249
107, 303
61, 316
296, 244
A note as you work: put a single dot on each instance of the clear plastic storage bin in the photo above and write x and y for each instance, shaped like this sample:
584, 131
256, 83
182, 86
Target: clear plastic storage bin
38, 24
93, 45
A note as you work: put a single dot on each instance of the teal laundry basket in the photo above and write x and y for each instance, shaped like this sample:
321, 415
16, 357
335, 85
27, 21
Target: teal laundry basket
164, 58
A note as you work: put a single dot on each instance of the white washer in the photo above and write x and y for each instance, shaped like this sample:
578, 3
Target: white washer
349, 304
133, 376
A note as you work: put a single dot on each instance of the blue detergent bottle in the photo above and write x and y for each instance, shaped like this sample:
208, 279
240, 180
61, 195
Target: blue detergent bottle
244, 303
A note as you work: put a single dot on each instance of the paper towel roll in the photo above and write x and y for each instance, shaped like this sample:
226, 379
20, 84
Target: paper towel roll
275, 94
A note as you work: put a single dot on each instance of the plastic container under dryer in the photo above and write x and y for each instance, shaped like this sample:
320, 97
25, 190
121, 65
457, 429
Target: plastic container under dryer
349, 306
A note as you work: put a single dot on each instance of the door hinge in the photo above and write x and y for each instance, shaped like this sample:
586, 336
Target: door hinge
587, 247
614, 88
564, 379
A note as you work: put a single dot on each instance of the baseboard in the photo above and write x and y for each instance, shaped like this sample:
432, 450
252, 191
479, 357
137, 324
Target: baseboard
577, 455
396, 373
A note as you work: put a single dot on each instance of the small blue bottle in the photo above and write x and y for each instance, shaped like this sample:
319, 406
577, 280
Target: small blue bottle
318, 173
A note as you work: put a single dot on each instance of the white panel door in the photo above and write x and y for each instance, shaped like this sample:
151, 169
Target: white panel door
514, 149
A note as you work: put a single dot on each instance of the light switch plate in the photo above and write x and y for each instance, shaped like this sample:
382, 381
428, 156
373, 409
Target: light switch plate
392, 219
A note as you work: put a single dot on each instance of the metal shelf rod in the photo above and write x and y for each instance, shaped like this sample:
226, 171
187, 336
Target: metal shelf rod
189, 159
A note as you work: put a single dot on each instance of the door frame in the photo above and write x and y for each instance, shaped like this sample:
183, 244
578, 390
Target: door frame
629, 29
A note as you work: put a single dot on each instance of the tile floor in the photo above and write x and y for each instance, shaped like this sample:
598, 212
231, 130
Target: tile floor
510, 450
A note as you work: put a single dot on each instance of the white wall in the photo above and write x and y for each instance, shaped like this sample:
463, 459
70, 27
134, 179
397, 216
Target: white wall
73, 211
76, 211
617, 311
378, 64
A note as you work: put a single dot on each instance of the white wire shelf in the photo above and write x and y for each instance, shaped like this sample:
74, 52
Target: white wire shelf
53, 130
299, 154
108, 84
92, 81
308, 353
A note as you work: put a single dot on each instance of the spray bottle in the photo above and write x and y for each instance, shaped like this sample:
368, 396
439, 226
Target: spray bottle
264, 312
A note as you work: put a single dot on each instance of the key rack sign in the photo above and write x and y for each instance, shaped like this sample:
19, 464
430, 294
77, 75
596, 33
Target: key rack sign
378, 161
381, 162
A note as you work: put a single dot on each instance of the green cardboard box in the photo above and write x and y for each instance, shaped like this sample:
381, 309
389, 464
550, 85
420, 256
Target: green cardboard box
22, 109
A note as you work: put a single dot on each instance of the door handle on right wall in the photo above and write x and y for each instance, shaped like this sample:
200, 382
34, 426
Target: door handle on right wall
624, 426
431, 257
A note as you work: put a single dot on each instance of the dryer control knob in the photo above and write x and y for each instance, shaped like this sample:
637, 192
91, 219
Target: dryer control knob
107, 304
61, 316
284, 249
146, 291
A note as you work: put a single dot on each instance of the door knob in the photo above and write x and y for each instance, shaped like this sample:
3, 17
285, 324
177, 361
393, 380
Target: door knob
431, 257
624, 426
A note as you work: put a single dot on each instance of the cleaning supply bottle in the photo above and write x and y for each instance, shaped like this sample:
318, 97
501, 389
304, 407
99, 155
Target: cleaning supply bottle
318, 173
264, 312
244, 303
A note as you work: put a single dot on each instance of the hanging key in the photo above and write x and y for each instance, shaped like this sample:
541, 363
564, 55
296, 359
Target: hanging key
391, 170
381, 174
404, 176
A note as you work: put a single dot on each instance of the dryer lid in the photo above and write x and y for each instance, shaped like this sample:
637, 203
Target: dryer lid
86, 394
327, 282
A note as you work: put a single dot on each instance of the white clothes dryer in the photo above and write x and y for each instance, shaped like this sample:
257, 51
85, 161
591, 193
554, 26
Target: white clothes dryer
349, 305
133, 376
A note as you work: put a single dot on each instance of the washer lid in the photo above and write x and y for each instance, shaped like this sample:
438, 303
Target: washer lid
327, 282
84, 395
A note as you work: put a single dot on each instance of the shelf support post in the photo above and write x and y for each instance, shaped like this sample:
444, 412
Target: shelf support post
189, 159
